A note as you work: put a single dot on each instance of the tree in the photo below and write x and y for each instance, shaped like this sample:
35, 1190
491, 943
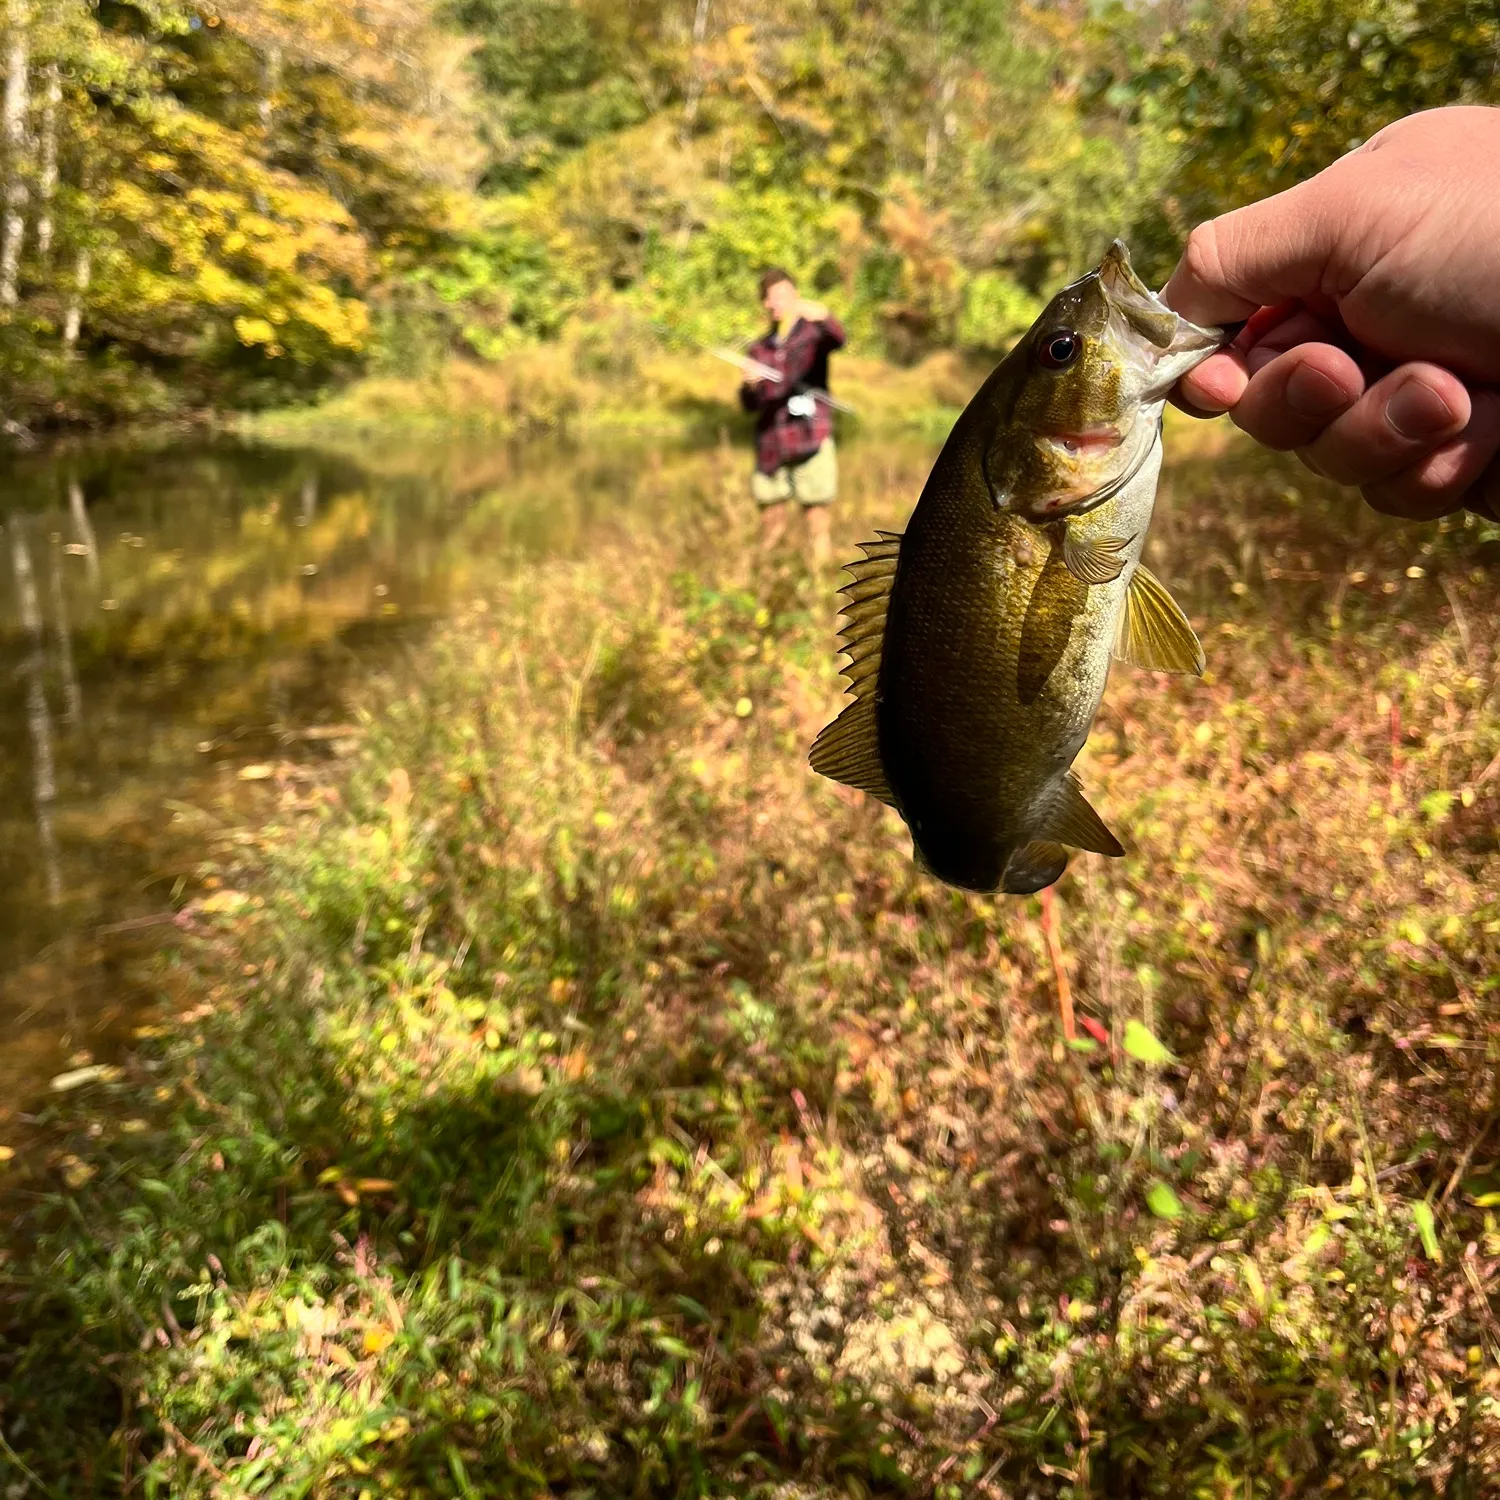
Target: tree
228, 187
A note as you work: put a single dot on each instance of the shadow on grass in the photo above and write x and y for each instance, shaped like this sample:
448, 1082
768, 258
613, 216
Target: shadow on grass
485, 1297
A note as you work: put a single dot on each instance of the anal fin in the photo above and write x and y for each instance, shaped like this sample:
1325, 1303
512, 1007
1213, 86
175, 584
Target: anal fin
848, 750
1153, 631
1070, 820
1033, 867
1094, 559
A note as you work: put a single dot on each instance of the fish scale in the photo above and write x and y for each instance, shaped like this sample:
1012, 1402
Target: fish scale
980, 641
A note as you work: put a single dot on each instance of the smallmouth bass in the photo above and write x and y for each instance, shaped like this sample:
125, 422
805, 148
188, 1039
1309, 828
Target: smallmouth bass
979, 641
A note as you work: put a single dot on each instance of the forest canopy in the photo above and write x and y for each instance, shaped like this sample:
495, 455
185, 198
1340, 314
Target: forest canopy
235, 204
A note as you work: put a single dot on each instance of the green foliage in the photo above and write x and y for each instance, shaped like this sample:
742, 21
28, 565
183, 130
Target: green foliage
915, 165
561, 73
933, 170
280, 194
996, 312
214, 197
1260, 97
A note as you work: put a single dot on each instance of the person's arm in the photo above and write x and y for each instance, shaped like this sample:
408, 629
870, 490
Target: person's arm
757, 395
830, 328
1373, 297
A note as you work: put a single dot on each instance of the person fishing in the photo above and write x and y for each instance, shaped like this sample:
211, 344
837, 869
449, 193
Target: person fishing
795, 457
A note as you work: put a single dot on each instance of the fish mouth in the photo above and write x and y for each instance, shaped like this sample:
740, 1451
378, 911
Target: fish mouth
1145, 445
1087, 442
1175, 345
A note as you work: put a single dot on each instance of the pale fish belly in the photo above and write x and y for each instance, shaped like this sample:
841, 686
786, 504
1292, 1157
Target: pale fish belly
1064, 711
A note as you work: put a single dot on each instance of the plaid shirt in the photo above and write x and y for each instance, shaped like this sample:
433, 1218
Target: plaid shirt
802, 359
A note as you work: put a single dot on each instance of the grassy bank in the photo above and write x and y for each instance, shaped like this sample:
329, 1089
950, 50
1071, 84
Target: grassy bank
573, 1095
603, 380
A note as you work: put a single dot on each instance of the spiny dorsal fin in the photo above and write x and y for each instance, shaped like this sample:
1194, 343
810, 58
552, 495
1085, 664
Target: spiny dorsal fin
1070, 820
1094, 559
1153, 632
848, 749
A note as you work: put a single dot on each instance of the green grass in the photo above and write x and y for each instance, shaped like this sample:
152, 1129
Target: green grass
574, 1096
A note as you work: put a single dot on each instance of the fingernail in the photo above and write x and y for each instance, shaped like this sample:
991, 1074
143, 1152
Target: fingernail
1416, 411
1313, 394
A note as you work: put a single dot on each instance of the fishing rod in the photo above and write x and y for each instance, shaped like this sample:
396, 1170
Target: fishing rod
759, 371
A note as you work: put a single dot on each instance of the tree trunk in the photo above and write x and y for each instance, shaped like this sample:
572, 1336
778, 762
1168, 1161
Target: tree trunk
46, 183
266, 109
937, 125
44, 767
695, 80
72, 696
74, 319
13, 120
85, 530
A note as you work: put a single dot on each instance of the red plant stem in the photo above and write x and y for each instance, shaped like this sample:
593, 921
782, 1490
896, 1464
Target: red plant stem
1051, 928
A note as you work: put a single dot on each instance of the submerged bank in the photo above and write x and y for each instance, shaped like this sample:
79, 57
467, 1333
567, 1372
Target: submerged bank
567, 1090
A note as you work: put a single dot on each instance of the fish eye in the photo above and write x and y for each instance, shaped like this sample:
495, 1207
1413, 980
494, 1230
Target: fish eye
1058, 350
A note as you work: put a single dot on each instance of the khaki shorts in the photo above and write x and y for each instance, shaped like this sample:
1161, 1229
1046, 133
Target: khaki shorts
814, 481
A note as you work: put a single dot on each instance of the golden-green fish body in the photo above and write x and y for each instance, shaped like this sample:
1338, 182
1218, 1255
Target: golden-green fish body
980, 641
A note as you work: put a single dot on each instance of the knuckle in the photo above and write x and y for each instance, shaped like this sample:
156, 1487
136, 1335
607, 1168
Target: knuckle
1202, 258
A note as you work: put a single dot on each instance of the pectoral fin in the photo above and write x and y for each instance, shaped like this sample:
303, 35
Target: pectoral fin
1094, 559
1153, 631
1070, 820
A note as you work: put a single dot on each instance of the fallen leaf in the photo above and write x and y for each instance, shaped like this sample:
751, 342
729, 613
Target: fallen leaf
77, 1077
378, 1338
76, 1172
1144, 1047
1163, 1202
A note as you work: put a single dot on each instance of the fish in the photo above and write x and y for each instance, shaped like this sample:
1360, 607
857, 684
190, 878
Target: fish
979, 641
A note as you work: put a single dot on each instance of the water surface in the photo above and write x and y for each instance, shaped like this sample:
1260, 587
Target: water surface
172, 616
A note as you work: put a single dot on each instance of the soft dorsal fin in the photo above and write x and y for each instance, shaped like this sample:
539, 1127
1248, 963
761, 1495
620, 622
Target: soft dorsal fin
1153, 632
1071, 821
848, 749
1094, 559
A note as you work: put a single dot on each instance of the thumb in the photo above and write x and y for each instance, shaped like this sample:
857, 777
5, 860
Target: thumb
1287, 246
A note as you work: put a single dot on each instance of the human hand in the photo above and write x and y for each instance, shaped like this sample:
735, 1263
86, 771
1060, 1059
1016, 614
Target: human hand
812, 312
1373, 297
